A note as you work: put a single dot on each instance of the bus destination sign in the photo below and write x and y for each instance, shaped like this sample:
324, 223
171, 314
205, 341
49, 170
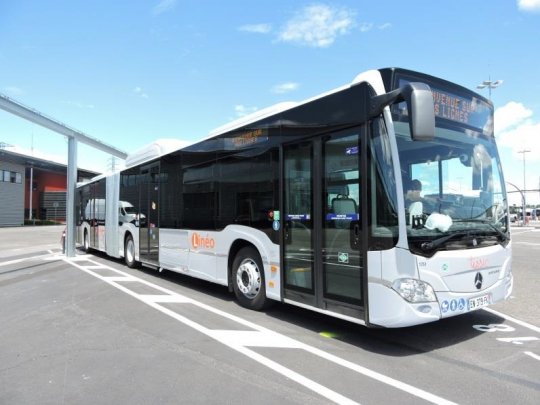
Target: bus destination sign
249, 138
452, 107
470, 111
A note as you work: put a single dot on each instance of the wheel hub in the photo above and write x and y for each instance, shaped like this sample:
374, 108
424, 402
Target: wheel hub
248, 278
130, 251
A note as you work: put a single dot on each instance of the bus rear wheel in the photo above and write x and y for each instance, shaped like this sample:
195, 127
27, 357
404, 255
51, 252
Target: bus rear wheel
129, 252
248, 279
86, 242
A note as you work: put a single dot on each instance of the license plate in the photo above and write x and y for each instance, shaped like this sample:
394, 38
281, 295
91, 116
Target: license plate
479, 302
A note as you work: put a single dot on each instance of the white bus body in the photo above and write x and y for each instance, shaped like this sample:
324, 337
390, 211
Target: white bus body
306, 203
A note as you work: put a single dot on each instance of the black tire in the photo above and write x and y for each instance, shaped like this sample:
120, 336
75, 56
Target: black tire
129, 253
86, 242
248, 279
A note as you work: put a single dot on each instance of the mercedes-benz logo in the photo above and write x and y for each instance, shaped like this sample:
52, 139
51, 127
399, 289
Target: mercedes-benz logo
478, 281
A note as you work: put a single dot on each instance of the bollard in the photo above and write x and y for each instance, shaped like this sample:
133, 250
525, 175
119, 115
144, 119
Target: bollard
63, 241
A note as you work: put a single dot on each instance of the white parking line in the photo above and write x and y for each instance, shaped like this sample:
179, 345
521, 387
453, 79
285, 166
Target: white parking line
259, 337
527, 243
14, 261
509, 318
25, 259
534, 356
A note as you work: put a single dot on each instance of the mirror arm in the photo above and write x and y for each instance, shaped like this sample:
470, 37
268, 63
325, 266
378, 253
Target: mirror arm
420, 108
379, 102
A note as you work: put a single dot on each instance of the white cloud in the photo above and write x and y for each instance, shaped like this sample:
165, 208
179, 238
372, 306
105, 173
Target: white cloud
284, 87
522, 137
62, 159
241, 110
14, 90
80, 105
256, 28
529, 5
140, 92
516, 129
164, 6
510, 115
365, 27
317, 26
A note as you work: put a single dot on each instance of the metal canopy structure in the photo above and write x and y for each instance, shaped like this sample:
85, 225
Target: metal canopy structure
73, 136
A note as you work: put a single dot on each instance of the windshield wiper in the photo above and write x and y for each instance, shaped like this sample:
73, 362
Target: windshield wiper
434, 244
501, 234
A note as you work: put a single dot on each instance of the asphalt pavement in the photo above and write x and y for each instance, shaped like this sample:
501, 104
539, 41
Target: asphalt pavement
89, 330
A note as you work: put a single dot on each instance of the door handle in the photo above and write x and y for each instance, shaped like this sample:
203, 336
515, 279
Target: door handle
355, 235
287, 232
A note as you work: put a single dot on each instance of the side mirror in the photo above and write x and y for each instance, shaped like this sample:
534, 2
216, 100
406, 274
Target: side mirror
419, 101
420, 108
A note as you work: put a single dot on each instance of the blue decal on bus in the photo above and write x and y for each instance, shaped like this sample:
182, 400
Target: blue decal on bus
351, 217
301, 217
444, 306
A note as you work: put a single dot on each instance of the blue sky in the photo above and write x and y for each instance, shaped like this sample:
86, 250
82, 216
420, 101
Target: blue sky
132, 71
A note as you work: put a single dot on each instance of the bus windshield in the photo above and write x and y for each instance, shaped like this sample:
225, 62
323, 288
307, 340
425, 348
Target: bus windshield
453, 185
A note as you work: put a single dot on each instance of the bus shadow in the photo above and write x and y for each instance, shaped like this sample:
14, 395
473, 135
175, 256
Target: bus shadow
396, 342
204, 287
192, 283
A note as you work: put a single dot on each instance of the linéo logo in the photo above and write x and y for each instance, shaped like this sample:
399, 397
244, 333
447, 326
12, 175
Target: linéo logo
199, 241
478, 263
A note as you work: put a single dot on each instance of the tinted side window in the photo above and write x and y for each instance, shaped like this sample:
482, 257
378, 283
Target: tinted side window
199, 192
129, 191
248, 190
172, 202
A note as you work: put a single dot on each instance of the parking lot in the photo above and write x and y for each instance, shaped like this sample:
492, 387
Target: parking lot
91, 330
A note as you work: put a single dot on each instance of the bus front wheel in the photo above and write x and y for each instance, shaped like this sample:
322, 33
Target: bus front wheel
248, 279
129, 252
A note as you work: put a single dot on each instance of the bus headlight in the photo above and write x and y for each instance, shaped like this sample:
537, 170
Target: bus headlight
414, 290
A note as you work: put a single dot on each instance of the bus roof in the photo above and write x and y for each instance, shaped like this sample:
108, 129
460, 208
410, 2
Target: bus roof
154, 150
163, 147
284, 106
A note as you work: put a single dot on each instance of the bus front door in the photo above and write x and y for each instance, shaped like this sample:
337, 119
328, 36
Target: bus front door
322, 249
149, 218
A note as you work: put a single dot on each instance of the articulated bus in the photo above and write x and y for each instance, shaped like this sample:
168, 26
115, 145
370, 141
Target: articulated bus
317, 204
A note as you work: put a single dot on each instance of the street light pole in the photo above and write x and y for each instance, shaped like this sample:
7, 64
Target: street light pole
490, 85
524, 185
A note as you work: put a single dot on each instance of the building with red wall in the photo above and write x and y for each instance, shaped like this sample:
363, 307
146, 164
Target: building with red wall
46, 199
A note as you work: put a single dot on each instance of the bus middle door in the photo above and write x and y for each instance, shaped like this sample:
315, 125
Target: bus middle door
149, 217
